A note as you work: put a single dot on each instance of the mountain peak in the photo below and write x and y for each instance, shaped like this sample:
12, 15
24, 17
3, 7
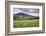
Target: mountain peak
22, 14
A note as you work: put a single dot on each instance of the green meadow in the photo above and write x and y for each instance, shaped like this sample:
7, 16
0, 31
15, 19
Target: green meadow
25, 23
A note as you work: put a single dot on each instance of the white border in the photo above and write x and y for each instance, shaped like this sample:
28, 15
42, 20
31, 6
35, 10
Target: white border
25, 29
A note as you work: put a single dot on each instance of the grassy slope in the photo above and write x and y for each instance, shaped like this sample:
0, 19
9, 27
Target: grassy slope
26, 23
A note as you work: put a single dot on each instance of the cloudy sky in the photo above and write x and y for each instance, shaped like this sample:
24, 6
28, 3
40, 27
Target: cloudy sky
29, 11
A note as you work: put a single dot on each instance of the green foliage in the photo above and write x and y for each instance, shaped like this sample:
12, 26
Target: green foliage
18, 17
25, 23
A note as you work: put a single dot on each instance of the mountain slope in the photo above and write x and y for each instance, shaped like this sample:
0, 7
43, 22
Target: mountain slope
22, 14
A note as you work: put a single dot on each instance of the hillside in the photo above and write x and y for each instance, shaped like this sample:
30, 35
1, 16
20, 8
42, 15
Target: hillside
24, 16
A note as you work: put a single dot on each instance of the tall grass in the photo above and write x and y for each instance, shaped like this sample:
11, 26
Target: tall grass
25, 23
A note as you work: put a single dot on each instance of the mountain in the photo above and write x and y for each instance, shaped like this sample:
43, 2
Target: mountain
22, 14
